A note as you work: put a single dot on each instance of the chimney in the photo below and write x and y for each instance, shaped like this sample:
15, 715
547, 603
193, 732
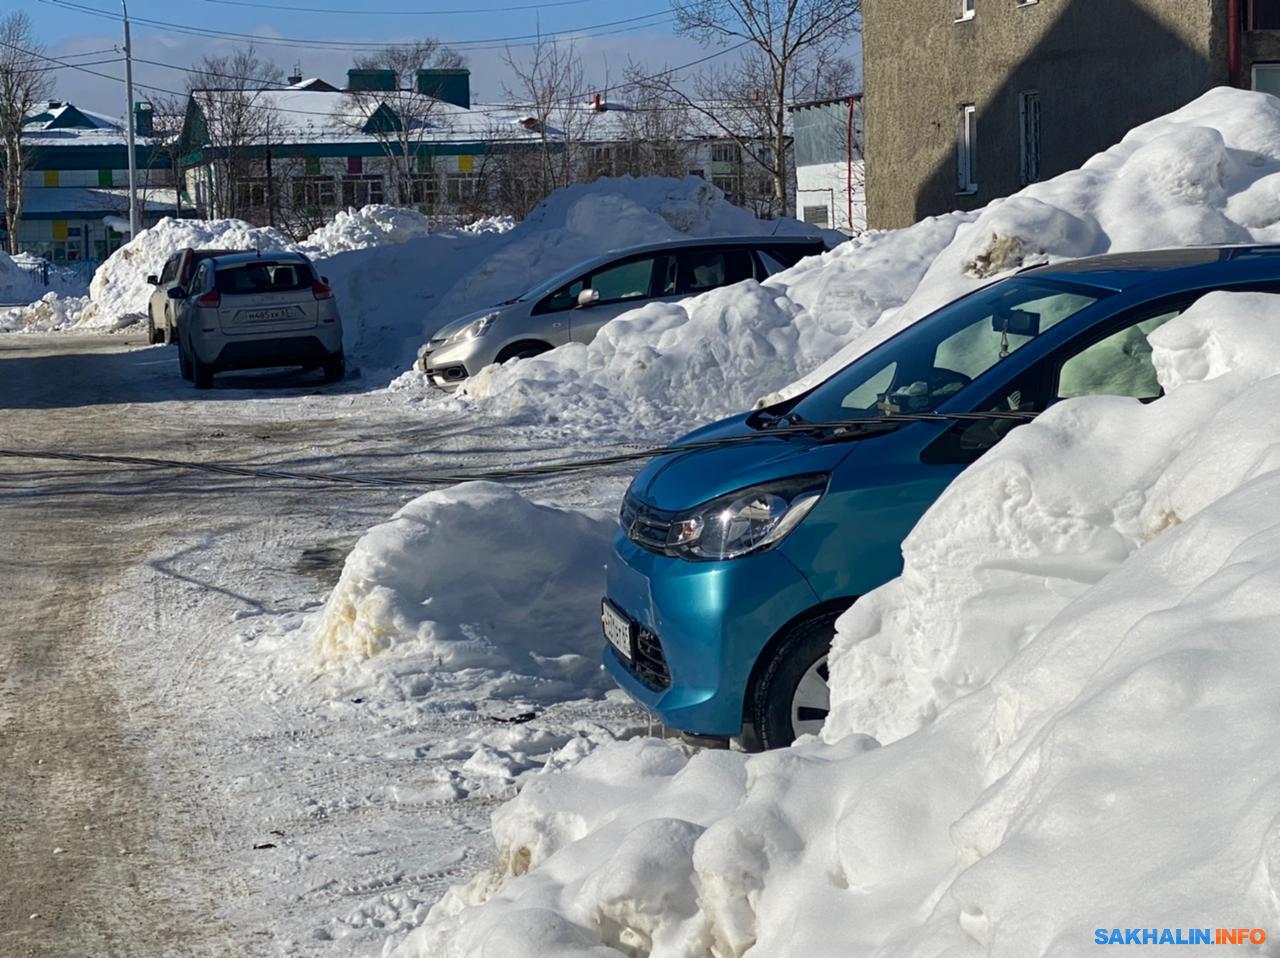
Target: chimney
296, 76
144, 119
598, 104
360, 81
451, 86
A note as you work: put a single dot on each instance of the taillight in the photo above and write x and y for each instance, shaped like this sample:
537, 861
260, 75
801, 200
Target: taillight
212, 298
321, 290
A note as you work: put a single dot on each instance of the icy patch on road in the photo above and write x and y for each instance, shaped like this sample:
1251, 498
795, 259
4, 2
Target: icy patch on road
1021, 723
472, 592
1205, 174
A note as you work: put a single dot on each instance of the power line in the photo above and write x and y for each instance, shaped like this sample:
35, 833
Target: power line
652, 19
398, 13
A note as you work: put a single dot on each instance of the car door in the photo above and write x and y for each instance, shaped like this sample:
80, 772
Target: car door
619, 286
159, 305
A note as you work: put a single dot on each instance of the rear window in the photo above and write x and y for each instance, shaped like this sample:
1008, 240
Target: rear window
788, 254
263, 278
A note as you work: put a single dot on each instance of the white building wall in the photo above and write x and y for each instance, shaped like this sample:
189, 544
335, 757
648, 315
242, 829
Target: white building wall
823, 196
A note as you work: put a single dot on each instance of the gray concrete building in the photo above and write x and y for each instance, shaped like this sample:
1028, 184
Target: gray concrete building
969, 100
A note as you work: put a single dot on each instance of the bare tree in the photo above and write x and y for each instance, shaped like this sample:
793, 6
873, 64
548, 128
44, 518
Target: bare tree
549, 88
240, 128
166, 146
655, 131
787, 44
24, 82
410, 118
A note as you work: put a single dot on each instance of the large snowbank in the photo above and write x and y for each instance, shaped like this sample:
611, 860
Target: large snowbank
1207, 173
1060, 718
472, 592
398, 281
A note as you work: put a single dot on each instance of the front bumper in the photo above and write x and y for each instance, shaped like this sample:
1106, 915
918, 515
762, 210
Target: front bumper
711, 621
450, 365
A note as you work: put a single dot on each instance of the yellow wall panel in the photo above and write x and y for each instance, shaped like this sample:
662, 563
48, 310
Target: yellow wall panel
466, 164
50, 177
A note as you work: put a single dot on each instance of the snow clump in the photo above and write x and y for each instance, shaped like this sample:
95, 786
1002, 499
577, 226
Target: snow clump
472, 592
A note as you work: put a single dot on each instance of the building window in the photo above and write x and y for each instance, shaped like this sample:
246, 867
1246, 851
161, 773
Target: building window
966, 149
1266, 78
965, 9
314, 192
362, 190
424, 189
460, 188
251, 193
1029, 135
1263, 15
726, 153
602, 159
817, 215
355, 165
728, 185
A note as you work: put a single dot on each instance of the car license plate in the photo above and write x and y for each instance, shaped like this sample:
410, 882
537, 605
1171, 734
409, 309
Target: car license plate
616, 629
267, 315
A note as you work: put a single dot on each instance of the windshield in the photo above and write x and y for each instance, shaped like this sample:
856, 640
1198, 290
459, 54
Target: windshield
929, 362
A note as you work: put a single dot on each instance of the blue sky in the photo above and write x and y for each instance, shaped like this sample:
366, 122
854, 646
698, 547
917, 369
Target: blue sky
604, 50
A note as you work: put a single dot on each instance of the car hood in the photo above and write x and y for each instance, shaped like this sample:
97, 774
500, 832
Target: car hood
682, 480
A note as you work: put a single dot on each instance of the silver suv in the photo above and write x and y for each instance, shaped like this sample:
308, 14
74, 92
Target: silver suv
251, 310
572, 306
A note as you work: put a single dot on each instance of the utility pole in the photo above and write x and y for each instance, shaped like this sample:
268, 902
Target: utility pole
129, 121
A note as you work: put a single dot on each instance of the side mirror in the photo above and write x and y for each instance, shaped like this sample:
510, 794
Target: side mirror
1016, 322
176, 292
153, 280
588, 297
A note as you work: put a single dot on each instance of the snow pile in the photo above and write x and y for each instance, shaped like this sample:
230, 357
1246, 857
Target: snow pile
472, 592
48, 313
119, 289
361, 228
1208, 173
1071, 691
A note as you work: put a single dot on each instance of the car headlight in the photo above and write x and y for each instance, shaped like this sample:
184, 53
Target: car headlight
474, 329
745, 521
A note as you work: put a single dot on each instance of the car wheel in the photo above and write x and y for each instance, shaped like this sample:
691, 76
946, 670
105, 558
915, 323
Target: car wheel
153, 334
201, 372
525, 350
184, 362
792, 697
166, 335
335, 368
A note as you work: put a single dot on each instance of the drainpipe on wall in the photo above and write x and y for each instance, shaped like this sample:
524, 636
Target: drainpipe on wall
849, 170
1234, 29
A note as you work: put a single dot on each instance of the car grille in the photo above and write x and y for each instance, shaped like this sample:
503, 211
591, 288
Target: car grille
650, 662
644, 525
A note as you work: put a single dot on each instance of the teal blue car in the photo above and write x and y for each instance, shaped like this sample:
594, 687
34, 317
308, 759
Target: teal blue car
733, 559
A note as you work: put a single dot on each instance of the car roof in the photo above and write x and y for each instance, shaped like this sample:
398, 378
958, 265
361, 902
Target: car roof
1122, 271
270, 256
763, 239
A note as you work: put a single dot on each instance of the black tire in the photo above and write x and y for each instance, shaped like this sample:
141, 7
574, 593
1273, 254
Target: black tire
335, 368
772, 706
154, 336
166, 335
184, 362
522, 350
201, 373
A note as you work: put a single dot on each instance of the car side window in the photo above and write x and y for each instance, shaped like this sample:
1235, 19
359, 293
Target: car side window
711, 269
630, 280
170, 270
1118, 365
566, 297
